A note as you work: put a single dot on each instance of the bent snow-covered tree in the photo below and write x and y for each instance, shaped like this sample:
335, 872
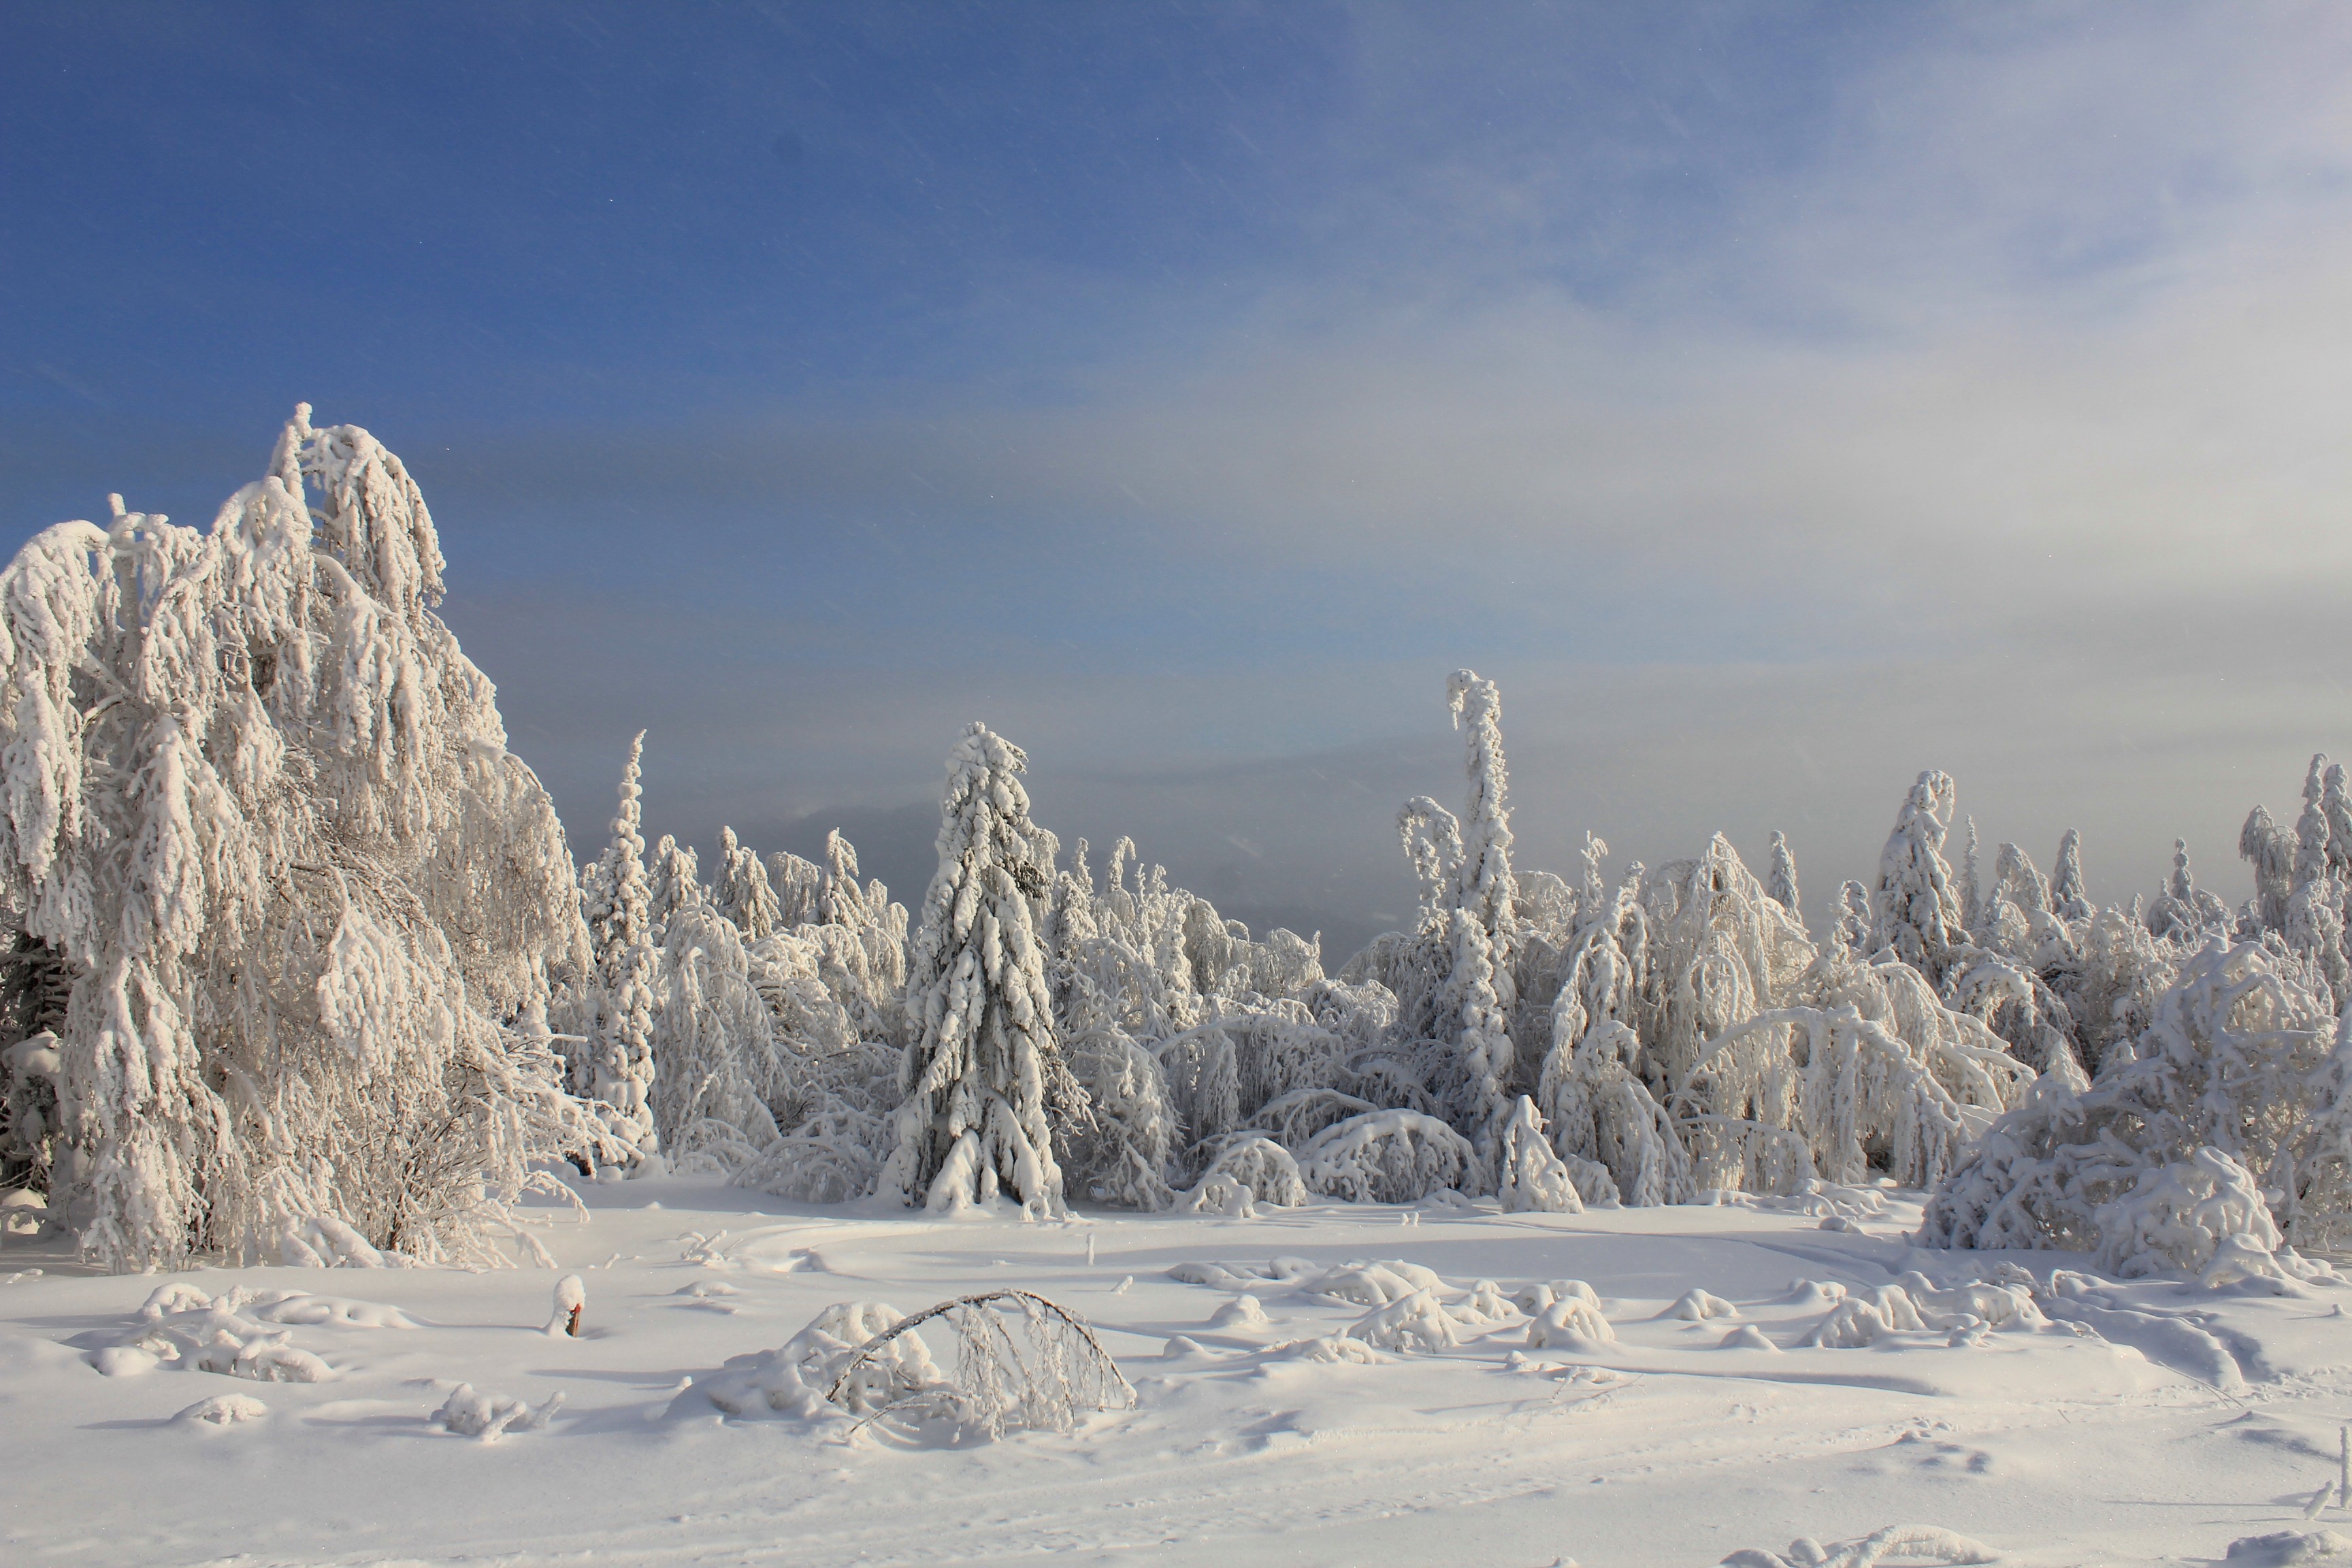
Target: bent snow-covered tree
258, 807
983, 1061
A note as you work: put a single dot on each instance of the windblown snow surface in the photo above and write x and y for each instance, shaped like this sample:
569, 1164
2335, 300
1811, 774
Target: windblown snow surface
1754, 1374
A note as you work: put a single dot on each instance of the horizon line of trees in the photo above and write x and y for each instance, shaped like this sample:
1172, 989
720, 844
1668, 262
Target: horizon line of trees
303, 967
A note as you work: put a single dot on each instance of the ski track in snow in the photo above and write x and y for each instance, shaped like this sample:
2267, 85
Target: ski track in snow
1662, 1446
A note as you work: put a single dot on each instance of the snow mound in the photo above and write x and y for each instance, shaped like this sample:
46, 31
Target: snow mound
1415, 1322
1697, 1306
1328, 1348
1374, 1284
1533, 1299
1240, 1276
800, 1377
489, 1416
221, 1410
1242, 1312
1905, 1543
181, 1327
1571, 1324
1746, 1337
2285, 1548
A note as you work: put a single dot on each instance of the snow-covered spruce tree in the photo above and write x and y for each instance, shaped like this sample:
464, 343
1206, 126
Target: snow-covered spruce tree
2242, 1058
2314, 918
2184, 911
798, 884
982, 1065
2070, 898
1972, 885
865, 913
260, 807
2336, 800
1613, 1133
1913, 907
1782, 884
2269, 849
1853, 932
742, 893
619, 905
674, 880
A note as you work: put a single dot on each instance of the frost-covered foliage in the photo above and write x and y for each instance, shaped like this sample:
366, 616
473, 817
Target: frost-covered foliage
2242, 1058
983, 1061
258, 807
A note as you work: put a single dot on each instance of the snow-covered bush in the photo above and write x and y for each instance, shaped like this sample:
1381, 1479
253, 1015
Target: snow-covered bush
1255, 1165
2242, 1058
1532, 1179
1386, 1157
1022, 1364
2177, 1215
1121, 1149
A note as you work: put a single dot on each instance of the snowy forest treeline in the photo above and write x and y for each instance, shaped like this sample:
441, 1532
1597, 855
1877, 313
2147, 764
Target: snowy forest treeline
303, 969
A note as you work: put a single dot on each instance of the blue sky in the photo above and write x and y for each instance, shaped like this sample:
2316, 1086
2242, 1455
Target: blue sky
1777, 399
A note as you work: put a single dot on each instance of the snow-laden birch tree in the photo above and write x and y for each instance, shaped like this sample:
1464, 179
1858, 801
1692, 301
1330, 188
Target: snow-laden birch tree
259, 805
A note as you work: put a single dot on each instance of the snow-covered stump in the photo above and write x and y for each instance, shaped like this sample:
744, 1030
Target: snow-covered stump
570, 1301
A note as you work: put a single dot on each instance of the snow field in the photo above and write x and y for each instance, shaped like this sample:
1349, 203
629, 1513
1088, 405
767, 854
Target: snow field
1331, 1385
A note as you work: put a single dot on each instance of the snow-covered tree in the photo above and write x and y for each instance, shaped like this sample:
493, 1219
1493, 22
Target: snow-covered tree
715, 1037
2241, 1057
1782, 883
2314, 918
2070, 898
983, 1063
1913, 907
1853, 917
742, 893
1433, 847
1488, 888
2184, 911
1972, 885
674, 881
2269, 849
1531, 1178
259, 807
620, 1060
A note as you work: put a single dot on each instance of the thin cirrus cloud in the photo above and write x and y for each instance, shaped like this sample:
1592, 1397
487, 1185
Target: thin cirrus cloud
1777, 400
